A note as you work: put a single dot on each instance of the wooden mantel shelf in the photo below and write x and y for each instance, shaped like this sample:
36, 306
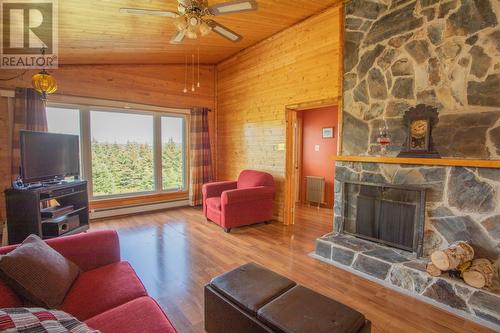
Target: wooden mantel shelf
495, 164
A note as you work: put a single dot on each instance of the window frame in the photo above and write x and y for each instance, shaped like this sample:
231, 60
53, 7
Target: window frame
157, 113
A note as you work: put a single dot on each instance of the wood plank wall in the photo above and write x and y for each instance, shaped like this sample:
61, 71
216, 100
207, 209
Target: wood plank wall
298, 65
159, 85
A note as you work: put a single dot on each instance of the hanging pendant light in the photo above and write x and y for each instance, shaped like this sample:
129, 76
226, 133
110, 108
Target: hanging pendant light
186, 75
195, 72
192, 68
198, 84
44, 83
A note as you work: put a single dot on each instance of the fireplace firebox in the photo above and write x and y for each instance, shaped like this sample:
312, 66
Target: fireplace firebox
393, 215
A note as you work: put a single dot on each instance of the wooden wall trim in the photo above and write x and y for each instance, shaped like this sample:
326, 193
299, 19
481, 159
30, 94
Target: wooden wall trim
112, 104
494, 164
290, 142
137, 200
7, 93
307, 105
341, 82
289, 204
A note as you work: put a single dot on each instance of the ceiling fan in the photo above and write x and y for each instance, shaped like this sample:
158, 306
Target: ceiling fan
190, 20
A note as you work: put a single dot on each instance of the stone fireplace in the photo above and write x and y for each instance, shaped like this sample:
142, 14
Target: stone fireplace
461, 204
398, 54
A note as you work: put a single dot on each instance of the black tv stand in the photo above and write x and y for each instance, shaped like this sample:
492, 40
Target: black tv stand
24, 207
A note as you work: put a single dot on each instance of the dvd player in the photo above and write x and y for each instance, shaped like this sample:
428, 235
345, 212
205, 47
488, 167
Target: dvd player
56, 211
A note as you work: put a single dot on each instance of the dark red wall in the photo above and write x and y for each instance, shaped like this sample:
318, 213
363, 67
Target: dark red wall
319, 163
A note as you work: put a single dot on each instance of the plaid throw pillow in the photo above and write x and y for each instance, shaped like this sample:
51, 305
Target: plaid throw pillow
38, 320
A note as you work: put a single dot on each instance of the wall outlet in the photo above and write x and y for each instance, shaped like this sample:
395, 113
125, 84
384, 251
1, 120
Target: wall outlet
316, 147
280, 147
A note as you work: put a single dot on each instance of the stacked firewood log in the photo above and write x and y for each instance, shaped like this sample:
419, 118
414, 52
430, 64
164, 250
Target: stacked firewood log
458, 260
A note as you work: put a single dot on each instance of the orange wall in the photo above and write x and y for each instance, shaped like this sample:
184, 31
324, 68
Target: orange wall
319, 163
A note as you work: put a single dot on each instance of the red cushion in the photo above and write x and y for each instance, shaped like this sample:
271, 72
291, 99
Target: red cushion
142, 315
105, 248
253, 178
102, 289
8, 299
214, 203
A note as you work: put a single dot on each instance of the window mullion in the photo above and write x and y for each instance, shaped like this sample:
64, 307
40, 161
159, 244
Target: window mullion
185, 153
157, 151
86, 147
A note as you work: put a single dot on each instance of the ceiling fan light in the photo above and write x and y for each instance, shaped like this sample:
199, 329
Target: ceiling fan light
194, 21
204, 28
180, 23
191, 32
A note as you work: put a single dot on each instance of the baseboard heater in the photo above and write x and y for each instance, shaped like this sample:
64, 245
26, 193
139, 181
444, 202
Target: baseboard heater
134, 209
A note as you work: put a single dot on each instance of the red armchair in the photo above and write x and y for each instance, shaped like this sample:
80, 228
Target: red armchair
237, 203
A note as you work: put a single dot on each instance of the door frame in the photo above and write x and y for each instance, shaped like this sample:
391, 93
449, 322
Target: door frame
290, 147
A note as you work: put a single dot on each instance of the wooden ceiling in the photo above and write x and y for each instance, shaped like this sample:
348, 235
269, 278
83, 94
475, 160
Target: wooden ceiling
94, 32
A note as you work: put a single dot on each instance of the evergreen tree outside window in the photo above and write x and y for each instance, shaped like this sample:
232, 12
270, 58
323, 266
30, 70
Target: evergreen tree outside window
173, 152
122, 153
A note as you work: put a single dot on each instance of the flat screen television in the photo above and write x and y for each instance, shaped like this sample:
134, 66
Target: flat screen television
49, 156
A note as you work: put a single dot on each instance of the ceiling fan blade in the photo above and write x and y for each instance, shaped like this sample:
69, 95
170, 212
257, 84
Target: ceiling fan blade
178, 38
183, 5
138, 11
223, 31
237, 6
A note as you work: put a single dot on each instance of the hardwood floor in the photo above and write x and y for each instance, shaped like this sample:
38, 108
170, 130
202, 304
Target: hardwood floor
312, 215
176, 252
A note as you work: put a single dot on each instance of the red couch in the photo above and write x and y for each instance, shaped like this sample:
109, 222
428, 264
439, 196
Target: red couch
237, 203
107, 295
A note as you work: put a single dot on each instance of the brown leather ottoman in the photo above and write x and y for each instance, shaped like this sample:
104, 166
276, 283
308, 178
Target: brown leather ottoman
253, 299
233, 299
303, 310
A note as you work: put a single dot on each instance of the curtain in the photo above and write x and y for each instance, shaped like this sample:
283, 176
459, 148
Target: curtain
29, 114
6, 114
201, 155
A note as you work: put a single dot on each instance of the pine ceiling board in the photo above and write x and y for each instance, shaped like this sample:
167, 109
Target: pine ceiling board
95, 32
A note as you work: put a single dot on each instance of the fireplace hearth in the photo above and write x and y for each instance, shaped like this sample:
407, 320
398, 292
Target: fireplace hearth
393, 215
